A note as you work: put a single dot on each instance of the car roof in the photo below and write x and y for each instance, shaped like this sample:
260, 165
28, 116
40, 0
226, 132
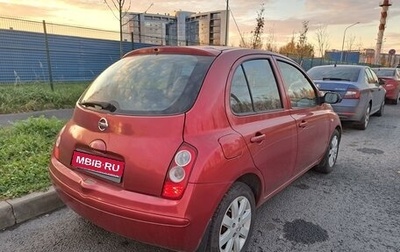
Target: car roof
385, 68
199, 50
342, 66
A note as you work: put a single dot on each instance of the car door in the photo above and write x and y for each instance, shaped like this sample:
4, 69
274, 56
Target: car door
377, 91
256, 112
311, 118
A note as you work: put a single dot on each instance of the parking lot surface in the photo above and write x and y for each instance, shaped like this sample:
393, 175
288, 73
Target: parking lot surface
355, 208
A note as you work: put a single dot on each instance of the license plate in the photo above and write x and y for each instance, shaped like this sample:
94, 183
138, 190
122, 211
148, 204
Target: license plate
97, 164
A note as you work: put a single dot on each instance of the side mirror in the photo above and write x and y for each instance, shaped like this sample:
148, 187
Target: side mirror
332, 98
381, 81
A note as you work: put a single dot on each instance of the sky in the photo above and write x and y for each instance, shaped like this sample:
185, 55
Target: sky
283, 18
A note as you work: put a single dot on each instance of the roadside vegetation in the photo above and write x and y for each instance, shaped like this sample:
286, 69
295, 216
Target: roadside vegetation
24, 155
25, 147
36, 97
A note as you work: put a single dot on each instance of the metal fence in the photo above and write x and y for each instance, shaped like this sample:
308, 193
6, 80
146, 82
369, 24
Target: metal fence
32, 52
44, 52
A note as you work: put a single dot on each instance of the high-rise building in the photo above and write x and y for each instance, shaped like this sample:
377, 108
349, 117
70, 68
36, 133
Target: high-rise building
184, 28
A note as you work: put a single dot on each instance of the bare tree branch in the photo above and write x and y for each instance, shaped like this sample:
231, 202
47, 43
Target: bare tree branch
122, 12
112, 11
322, 39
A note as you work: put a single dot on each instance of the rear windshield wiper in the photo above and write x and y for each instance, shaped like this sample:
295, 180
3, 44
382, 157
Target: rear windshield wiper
336, 79
103, 105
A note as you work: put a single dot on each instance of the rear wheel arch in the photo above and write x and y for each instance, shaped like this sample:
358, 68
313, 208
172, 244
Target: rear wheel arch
254, 182
235, 215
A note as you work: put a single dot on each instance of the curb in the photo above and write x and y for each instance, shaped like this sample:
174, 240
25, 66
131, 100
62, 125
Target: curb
18, 210
15, 211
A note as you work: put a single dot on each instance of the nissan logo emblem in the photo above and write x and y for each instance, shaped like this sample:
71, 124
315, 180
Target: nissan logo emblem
103, 124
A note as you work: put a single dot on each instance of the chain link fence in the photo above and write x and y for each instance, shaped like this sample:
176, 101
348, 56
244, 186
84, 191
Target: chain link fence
35, 52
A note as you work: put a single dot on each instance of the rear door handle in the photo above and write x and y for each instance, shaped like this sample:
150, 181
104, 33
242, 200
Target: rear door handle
258, 138
303, 124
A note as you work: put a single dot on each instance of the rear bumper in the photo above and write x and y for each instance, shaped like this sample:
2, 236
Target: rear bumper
349, 110
392, 94
177, 225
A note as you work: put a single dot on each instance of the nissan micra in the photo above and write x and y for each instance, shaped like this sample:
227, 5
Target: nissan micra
177, 146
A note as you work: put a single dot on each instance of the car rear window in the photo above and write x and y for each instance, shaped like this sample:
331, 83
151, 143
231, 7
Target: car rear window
334, 73
160, 84
384, 72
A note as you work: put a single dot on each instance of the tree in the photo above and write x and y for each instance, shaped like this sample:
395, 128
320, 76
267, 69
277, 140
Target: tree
304, 49
270, 44
289, 48
322, 39
360, 44
119, 6
351, 39
256, 34
256, 42
301, 48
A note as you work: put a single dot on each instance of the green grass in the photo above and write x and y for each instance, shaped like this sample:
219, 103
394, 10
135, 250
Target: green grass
37, 97
25, 150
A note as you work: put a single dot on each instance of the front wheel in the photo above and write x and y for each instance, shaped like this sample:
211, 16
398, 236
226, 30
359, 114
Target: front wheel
331, 154
233, 221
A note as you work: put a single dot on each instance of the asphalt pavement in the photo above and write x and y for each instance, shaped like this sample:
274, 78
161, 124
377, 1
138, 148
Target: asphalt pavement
16, 211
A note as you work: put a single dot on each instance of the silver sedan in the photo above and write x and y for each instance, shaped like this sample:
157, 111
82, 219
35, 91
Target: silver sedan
361, 91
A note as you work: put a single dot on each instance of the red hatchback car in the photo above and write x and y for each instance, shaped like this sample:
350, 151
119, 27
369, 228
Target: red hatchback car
177, 146
391, 78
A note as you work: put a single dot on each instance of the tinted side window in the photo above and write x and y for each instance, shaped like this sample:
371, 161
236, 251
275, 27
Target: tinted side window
370, 77
263, 86
299, 89
373, 76
240, 98
254, 88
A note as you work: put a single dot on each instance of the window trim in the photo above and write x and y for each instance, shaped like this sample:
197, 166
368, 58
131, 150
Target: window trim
240, 63
309, 80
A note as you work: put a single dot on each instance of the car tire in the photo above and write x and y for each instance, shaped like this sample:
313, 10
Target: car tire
363, 123
381, 109
232, 224
329, 160
396, 101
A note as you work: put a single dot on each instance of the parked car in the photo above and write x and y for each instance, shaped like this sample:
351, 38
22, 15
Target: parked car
391, 77
177, 146
360, 88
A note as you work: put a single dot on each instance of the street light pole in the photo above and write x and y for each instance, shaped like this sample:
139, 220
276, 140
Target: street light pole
344, 36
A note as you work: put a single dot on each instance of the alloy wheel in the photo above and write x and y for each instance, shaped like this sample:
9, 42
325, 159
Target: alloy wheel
235, 226
333, 151
366, 121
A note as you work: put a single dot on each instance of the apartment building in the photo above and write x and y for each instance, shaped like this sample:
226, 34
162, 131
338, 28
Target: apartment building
183, 28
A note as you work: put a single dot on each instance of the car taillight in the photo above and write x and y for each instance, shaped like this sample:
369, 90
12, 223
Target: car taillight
56, 149
178, 172
352, 94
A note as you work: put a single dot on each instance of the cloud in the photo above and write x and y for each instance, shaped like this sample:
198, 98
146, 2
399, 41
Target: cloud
345, 12
283, 18
25, 11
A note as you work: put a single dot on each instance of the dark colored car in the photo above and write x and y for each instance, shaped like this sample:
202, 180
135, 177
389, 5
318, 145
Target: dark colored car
391, 77
360, 88
177, 146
